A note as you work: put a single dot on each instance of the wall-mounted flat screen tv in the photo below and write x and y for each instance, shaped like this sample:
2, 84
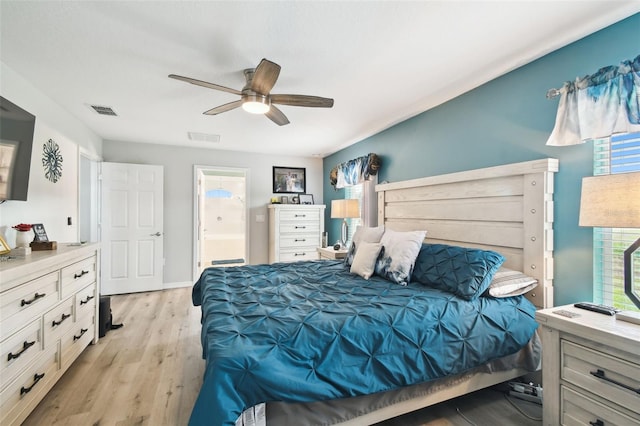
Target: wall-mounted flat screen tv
16, 142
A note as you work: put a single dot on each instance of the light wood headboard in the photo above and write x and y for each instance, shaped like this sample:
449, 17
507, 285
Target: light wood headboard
508, 209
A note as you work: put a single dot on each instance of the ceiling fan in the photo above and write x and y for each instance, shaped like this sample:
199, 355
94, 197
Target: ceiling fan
256, 97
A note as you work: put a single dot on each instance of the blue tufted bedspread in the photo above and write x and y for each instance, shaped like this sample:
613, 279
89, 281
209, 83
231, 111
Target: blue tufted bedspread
310, 331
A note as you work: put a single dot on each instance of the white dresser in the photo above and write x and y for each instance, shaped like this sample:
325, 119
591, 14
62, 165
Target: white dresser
295, 231
48, 316
590, 368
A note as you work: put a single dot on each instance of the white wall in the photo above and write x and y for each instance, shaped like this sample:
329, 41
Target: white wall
178, 165
47, 202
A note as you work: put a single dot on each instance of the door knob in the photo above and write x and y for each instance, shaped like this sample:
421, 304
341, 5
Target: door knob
157, 234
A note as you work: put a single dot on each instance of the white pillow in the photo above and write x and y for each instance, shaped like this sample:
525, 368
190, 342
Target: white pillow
363, 234
364, 262
507, 283
400, 252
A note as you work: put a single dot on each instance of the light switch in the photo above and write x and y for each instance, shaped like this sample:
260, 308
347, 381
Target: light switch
259, 218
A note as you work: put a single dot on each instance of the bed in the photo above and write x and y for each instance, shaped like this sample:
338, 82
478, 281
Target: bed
321, 345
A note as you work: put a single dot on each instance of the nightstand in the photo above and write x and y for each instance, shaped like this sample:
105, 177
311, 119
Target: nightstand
590, 368
330, 253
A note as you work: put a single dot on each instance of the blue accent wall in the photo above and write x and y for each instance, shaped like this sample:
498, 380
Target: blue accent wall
504, 121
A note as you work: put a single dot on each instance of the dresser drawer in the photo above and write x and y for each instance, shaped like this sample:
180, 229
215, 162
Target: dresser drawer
78, 275
307, 253
580, 410
612, 377
300, 215
21, 304
18, 350
302, 240
57, 322
74, 342
299, 228
24, 393
85, 301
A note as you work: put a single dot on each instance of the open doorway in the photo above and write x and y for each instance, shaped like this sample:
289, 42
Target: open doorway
221, 217
88, 197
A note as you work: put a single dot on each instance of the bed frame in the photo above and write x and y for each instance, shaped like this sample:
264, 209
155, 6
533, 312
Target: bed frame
506, 208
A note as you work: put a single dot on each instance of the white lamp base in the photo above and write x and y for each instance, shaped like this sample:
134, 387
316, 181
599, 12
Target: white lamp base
629, 316
344, 234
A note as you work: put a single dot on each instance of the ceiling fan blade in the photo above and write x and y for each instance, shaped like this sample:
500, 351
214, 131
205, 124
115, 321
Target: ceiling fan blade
205, 84
277, 116
265, 77
302, 100
224, 108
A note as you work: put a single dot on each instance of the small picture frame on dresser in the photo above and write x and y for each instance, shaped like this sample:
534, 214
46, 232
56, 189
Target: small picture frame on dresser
4, 247
306, 198
40, 233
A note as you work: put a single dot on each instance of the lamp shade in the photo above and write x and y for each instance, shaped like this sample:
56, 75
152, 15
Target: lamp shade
611, 201
344, 208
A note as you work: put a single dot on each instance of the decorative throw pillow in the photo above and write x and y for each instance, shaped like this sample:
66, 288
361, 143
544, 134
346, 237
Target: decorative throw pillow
507, 283
364, 261
363, 234
465, 272
400, 252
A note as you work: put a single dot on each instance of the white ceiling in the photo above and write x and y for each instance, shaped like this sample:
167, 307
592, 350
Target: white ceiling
382, 62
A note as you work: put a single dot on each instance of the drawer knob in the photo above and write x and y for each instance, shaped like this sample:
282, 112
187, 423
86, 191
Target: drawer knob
85, 301
26, 345
299, 240
600, 374
301, 227
300, 254
36, 379
76, 276
82, 331
35, 297
598, 422
55, 323
301, 215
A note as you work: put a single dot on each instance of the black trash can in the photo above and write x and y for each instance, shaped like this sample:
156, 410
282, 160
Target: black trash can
104, 323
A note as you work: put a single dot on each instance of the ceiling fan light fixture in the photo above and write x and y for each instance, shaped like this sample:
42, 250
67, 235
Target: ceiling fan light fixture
256, 104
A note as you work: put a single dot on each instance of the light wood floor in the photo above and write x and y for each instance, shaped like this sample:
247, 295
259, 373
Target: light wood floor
149, 372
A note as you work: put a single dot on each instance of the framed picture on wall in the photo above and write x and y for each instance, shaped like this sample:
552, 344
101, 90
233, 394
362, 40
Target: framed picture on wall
289, 180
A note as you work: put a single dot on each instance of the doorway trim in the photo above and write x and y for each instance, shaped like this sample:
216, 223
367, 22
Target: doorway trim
88, 197
196, 213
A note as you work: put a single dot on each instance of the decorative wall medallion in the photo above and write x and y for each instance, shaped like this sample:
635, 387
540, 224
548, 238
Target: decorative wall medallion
52, 161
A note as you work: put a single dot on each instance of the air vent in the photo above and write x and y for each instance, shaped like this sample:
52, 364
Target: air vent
104, 110
203, 137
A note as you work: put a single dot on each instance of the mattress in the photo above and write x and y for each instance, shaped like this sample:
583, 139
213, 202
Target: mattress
311, 331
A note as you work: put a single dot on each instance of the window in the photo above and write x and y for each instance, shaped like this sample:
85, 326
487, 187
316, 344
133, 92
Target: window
366, 193
617, 154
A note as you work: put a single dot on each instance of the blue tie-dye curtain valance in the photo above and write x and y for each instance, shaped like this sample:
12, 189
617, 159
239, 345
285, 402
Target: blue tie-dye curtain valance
599, 105
354, 171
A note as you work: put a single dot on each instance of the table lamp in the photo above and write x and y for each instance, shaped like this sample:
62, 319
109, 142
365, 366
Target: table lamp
343, 209
613, 201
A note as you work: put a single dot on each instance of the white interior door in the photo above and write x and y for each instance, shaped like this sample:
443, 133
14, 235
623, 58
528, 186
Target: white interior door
132, 228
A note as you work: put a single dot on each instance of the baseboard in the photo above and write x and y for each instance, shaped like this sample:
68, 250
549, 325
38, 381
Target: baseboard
179, 284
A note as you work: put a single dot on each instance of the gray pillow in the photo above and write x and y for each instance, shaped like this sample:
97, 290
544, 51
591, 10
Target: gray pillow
363, 234
364, 262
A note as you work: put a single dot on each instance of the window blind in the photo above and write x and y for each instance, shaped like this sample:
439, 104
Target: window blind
617, 154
